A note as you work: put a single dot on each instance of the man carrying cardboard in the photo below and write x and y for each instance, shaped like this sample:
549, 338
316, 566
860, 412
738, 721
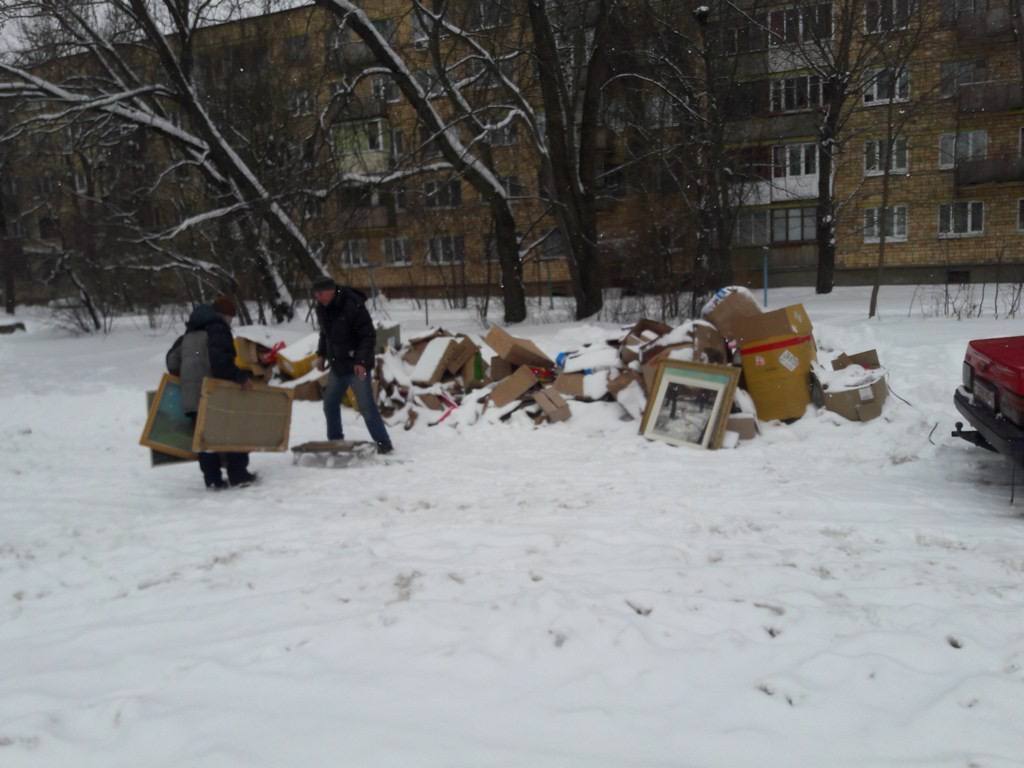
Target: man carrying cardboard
346, 344
208, 349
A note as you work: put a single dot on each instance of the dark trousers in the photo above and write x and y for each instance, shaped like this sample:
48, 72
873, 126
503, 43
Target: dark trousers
235, 463
337, 385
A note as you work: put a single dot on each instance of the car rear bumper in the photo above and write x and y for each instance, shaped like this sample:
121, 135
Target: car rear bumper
997, 434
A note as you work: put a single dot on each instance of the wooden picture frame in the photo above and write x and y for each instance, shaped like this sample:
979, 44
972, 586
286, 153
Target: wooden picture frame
233, 420
168, 430
689, 403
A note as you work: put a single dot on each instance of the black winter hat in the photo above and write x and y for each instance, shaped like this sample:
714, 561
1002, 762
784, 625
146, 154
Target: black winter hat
324, 284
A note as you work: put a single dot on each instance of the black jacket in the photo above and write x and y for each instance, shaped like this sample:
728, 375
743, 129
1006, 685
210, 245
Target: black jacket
347, 337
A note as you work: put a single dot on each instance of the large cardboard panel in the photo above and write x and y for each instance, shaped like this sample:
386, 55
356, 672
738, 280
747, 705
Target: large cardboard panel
569, 384
517, 351
622, 381
231, 419
788, 321
643, 332
777, 374
730, 310
501, 368
459, 354
419, 343
513, 387
168, 430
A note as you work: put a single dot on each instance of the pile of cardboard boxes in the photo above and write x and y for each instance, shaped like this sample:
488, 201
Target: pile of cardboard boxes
438, 373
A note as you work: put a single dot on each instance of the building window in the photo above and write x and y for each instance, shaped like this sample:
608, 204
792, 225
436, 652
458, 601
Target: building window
446, 249
443, 194
81, 183
1020, 215
887, 15
14, 227
430, 145
385, 89
751, 227
354, 138
874, 157
966, 145
300, 103
888, 84
313, 208
794, 225
354, 253
397, 252
553, 246
794, 25
795, 94
961, 219
794, 160
953, 74
894, 221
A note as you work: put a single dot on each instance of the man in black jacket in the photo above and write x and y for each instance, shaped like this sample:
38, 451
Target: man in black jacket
208, 349
347, 344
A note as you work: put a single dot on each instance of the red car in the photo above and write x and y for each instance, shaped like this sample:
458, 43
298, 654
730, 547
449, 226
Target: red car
992, 396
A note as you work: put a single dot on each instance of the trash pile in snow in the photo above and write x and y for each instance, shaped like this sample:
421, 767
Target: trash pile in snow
705, 382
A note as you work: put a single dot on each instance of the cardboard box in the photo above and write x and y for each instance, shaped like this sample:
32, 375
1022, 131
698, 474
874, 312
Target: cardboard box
729, 310
786, 322
513, 387
777, 375
620, 382
419, 343
569, 384
247, 357
296, 360
501, 368
553, 404
432, 402
433, 361
858, 403
743, 424
867, 360
237, 420
516, 351
643, 332
459, 354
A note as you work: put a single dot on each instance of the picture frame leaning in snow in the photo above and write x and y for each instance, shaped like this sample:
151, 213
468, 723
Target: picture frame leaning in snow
690, 403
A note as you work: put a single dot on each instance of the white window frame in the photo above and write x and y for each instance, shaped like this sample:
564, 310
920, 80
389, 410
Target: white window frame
300, 103
804, 154
397, 252
970, 209
960, 140
385, 89
901, 82
355, 253
896, 212
895, 170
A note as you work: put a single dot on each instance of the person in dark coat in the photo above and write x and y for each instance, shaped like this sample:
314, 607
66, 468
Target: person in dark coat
208, 349
346, 345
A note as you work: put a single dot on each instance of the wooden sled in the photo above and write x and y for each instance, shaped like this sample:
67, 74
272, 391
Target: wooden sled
332, 453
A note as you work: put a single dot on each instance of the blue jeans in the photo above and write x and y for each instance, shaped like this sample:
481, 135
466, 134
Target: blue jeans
337, 385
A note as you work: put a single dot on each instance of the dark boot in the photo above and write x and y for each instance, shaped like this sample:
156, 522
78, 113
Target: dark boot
209, 463
238, 469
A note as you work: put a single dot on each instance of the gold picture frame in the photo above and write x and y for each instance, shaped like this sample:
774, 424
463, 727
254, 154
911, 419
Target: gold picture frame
689, 403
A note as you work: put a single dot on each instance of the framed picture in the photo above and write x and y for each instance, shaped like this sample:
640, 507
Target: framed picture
158, 458
690, 403
168, 430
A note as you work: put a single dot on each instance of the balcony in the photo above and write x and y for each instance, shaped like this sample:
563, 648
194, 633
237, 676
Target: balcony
373, 217
1007, 169
991, 97
982, 26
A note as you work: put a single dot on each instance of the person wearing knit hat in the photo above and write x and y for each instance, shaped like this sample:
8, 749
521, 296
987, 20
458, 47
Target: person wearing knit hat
207, 348
225, 305
347, 341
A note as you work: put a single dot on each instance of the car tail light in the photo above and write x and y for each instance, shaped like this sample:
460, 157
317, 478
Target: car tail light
968, 377
1011, 406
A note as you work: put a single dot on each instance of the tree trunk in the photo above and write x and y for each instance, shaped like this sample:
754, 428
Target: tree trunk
10, 252
513, 290
826, 214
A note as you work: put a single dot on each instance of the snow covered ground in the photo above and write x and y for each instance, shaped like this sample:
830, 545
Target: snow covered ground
831, 593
